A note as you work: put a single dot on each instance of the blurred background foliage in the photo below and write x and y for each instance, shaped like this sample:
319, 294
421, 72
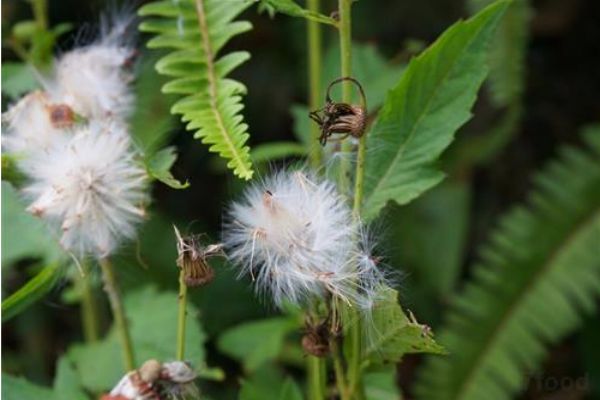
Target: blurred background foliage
541, 93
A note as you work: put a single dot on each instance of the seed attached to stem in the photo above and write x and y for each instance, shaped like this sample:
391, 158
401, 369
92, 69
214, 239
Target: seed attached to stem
192, 259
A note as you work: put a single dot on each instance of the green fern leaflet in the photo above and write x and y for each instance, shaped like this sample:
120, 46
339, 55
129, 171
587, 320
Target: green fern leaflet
195, 31
539, 275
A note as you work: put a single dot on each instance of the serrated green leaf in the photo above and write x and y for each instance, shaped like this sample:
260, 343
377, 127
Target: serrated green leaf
154, 335
159, 167
394, 334
255, 343
211, 106
31, 292
539, 274
291, 8
421, 114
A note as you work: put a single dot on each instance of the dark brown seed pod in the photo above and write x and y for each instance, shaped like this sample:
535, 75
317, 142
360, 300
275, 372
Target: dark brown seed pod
341, 118
315, 340
193, 259
61, 115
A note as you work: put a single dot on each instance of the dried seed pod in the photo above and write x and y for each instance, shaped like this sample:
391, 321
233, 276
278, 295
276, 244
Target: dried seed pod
177, 372
192, 258
341, 118
61, 116
315, 340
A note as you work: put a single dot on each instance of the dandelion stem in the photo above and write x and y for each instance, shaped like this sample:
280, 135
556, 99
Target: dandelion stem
338, 367
181, 317
89, 310
316, 378
314, 77
112, 291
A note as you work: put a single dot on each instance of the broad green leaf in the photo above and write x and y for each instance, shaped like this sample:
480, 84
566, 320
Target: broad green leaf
17, 79
381, 384
31, 292
421, 114
14, 388
159, 167
152, 316
210, 105
271, 151
254, 343
538, 276
290, 390
291, 8
394, 334
23, 234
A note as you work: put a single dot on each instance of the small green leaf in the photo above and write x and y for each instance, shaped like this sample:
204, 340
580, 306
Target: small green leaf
31, 292
159, 167
254, 343
25, 30
17, 78
152, 316
291, 8
421, 114
394, 334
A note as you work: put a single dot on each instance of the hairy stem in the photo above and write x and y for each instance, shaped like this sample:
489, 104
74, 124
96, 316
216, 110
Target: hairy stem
314, 77
89, 310
114, 297
353, 341
181, 316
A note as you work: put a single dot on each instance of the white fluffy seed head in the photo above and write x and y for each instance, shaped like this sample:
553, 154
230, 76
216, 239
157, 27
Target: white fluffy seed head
294, 234
29, 128
90, 186
94, 80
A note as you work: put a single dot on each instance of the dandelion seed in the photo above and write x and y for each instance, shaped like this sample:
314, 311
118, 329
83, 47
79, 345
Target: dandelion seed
90, 186
294, 233
192, 258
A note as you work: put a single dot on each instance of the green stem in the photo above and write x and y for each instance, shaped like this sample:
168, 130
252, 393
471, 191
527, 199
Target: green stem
316, 377
112, 291
345, 30
89, 310
338, 368
40, 13
353, 344
314, 77
181, 317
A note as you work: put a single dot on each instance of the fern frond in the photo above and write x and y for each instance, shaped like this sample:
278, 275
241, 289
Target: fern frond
195, 31
539, 274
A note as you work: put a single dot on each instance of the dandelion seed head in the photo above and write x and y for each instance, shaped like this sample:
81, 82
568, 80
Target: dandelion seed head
294, 235
90, 186
29, 127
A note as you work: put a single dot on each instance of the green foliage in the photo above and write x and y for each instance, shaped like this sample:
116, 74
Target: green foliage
196, 31
24, 235
291, 8
290, 390
17, 79
381, 384
265, 383
538, 274
271, 151
254, 343
159, 167
421, 114
394, 334
31, 292
152, 316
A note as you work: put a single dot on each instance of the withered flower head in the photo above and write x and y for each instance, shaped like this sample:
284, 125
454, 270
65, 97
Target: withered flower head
315, 340
341, 118
192, 259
